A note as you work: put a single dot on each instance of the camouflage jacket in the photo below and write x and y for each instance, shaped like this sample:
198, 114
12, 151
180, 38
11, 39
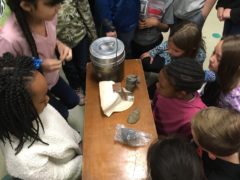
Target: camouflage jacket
74, 22
5, 12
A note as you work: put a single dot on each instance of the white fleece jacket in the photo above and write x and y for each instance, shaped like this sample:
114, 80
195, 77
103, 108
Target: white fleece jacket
60, 159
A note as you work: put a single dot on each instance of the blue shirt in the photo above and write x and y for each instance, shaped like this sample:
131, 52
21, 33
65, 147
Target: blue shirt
123, 14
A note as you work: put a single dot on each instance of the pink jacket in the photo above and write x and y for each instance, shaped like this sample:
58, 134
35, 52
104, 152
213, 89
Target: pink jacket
12, 40
174, 115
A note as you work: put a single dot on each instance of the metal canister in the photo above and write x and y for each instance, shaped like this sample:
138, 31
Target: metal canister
107, 55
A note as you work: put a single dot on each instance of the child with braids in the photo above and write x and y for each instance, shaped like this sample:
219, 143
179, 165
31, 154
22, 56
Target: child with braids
36, 141
176, 99
31, 31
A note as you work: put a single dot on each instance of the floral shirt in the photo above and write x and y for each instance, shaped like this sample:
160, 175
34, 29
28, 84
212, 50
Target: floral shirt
75, 21
161, 50
231, 100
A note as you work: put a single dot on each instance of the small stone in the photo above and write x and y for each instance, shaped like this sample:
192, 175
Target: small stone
134, 116
131, 82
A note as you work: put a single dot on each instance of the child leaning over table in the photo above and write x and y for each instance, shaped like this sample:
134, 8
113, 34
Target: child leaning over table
185, 40
217, 132
176, 99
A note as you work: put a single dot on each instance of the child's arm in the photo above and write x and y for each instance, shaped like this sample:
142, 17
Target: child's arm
208, 5
86, 16
7, 46
210, 76
153, 22
153, 52
65, 53
232, 101
158, 49
51, 64
232, 14
201, 56
220, 8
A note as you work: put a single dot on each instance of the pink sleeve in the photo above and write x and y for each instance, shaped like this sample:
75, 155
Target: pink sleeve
6, 46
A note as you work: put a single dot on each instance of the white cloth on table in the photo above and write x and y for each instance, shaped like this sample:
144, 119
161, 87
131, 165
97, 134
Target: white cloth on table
111, 101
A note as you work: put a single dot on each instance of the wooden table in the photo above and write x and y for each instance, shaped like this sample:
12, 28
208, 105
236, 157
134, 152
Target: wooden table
104, 158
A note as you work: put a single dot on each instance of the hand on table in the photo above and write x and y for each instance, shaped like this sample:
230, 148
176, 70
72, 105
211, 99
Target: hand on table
146, 55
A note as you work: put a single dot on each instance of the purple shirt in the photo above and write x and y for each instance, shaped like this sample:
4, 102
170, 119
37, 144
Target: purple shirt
173, 115
231, 100
13, 40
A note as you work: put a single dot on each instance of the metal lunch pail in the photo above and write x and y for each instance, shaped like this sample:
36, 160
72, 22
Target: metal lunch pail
107, 55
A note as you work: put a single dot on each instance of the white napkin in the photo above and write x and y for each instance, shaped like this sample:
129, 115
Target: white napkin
111, 101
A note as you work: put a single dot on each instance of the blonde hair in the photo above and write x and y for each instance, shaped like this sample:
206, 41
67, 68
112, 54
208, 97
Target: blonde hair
217, 130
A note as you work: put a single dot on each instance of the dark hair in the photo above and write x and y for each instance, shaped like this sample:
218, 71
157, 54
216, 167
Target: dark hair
188, 37
174, 158
17, 111
229, 66
185, 74
211, 93
21, 18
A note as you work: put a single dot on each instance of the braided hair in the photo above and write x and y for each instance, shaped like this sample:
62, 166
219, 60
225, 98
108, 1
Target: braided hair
185, 74
14, 5
17, 111
22, 20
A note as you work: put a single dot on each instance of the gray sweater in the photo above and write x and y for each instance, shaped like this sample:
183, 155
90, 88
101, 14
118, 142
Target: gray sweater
184, 9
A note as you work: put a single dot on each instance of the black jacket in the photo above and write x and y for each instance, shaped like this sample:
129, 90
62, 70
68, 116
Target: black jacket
234, 5
220, 170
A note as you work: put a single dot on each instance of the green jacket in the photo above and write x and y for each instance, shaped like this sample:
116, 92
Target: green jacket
74, 22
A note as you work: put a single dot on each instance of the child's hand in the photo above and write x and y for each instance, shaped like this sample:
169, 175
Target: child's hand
226, 13
146, 56
64, 51
51, 65
220, 13
148, 22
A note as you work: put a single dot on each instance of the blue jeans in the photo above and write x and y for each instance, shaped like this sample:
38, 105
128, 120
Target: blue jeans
67, 98
75, 70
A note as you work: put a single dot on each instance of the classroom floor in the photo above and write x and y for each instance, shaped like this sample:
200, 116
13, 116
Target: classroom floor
211, 30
